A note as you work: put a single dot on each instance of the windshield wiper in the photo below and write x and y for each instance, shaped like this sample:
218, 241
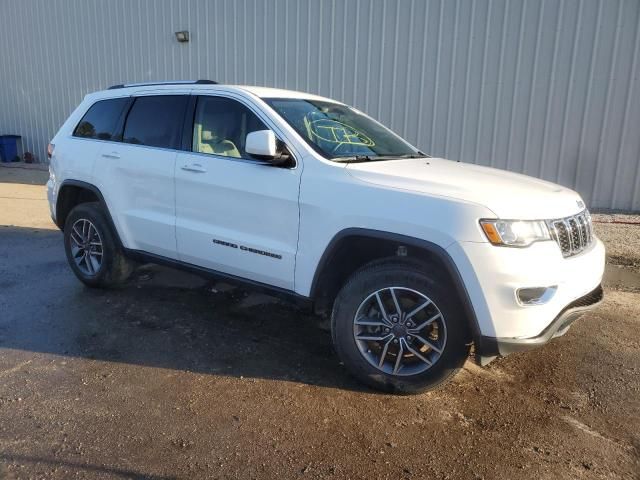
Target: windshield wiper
373, 158
354, 159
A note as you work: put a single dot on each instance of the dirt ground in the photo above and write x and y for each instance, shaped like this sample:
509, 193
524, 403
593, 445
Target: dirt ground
173, 377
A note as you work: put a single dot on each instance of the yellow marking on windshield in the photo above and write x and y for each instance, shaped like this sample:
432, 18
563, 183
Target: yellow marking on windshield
333, 131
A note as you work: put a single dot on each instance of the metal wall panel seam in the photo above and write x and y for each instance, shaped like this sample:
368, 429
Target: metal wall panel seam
331, 47
516, 83
297, 74
19, 54
483, 79
569, 93
29, 83
367, 81
607, 103
496, 116
532, 92
452, 70
436, 79
4, 78
394, 68
631, 96
423, 57
308, 56
409, 68
381, 71
319, 52
554, 61
343, 90
46, 58
465, 97
587, 103
275, 39
355, 52
244, 45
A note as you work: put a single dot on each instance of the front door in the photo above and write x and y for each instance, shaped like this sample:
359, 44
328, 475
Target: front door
235, 214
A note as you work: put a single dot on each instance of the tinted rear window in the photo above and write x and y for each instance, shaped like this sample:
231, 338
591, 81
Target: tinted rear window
101, 119
156, 121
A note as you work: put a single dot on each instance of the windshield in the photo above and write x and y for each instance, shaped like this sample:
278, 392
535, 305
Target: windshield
341, 133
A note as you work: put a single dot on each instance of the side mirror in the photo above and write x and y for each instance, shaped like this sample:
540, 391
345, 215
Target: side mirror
264, 145
261, 144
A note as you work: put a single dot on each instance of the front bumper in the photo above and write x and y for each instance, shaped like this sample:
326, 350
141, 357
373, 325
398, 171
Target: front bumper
492, 276
492, 346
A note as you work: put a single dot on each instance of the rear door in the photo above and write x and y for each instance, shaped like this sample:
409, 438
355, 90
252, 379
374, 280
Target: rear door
235, 214
137, 173
100, 124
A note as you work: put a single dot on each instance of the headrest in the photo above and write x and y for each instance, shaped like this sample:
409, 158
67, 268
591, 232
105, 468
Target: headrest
207, 136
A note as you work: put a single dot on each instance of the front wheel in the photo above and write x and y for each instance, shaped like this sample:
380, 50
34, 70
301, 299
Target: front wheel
397, 326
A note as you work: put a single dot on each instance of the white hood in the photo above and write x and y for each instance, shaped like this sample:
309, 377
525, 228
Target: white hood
509, 195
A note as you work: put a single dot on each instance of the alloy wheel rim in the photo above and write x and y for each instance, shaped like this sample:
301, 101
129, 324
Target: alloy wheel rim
86, 247
400, 331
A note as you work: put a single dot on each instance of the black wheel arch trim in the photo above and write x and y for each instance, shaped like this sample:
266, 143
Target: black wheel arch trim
431, 247
101, 200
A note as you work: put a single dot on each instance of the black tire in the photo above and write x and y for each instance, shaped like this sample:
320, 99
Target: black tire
419, 277
115, 268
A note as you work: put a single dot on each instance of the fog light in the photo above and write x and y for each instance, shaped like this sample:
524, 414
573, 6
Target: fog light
535, 295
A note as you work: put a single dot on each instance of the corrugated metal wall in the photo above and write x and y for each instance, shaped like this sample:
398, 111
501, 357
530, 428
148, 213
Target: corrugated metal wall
545, 87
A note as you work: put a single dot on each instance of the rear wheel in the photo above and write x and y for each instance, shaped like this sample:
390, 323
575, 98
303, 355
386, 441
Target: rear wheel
92, 252
398, 327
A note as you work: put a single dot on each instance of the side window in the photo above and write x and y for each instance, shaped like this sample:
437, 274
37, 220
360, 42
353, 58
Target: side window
156, 121
221, 126
101, 119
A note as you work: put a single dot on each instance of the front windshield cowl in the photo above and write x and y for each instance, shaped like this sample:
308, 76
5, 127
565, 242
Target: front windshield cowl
341, 133
374, 158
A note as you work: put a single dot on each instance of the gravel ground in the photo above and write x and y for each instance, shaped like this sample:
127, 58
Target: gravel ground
621, 235
173, 377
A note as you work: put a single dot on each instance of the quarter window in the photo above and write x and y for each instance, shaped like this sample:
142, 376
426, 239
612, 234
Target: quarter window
156, 121
101, 120
221, 126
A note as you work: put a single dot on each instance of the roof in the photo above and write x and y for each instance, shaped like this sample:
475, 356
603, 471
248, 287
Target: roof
209, 86
267, 92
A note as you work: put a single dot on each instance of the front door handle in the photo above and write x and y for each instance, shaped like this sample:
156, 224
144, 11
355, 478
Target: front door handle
194, 167
115, 155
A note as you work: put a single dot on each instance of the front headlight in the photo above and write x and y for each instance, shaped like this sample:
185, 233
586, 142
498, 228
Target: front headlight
515, 233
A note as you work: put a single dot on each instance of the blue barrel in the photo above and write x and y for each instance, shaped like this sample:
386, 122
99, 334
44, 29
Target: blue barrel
9, 148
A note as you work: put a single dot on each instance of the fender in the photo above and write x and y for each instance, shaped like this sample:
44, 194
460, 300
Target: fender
426, 245
103, 204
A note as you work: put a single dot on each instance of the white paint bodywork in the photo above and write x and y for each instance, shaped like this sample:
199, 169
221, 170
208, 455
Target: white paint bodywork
174, 203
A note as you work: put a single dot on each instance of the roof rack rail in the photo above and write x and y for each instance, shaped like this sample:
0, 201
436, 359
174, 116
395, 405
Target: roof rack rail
181, 82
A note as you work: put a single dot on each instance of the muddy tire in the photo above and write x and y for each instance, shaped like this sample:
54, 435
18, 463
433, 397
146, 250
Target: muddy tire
399, 327
91, 248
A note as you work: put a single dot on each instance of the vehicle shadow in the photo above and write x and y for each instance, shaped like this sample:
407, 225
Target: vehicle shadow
73, 468
160, 318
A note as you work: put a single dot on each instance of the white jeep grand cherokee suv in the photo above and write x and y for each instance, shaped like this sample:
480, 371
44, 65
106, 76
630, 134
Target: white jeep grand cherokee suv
416, 258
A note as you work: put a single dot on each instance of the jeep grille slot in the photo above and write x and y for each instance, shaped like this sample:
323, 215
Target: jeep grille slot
572, 234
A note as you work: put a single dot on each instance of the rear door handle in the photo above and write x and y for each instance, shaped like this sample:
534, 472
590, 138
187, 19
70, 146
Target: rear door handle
115, 155
194, 167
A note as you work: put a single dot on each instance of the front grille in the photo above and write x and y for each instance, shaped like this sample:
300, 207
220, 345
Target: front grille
572, 234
